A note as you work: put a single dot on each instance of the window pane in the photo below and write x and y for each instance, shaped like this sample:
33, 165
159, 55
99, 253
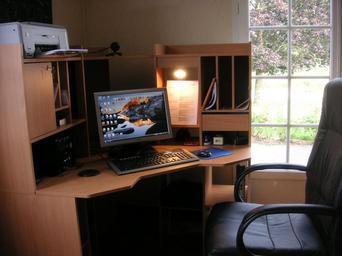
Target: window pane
269, 99
306, 100
310, 12
269, 52
310, 52
301, 141
265, 13
268, 144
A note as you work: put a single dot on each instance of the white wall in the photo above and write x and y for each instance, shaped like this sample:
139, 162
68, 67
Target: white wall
137, 25
268, 187
70, 14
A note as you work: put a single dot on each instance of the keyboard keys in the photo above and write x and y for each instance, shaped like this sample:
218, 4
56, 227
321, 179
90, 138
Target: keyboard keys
151, 160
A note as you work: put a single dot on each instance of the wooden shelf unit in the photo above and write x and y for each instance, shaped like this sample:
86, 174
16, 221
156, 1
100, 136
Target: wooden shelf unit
35, 95
230, 66
44, 98
31, 212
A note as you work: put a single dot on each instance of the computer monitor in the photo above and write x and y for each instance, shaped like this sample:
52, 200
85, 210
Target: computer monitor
132, 116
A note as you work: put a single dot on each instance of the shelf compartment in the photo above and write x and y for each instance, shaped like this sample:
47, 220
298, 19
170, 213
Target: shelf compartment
59, 129
218, 122
225, 93
77, 89
56, 84
168, 74
62, 108
229, 137
63, 84
208, 71
63, 117
241, 79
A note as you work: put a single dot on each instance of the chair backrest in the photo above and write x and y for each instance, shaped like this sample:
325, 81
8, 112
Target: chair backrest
324, 175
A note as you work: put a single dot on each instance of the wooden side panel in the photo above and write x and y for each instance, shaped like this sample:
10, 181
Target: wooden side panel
39, 98
38, 226
16, 167
212, 122
56, 226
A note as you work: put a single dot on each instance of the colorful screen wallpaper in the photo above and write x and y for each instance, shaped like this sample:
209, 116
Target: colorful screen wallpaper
130, 116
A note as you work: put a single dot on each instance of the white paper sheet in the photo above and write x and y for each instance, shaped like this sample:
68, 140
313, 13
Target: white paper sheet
183, 101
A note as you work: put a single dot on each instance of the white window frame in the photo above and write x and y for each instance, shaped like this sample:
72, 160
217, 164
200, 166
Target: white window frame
289, 28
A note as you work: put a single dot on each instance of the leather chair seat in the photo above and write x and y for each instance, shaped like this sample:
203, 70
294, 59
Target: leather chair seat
278, 234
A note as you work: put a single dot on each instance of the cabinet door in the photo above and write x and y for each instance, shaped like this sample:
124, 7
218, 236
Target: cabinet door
39, 95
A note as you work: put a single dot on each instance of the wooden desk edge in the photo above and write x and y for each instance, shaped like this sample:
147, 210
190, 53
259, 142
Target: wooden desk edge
88, 187
71, 185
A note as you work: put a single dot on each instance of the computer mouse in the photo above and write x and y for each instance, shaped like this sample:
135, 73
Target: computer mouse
204, 154
88, 172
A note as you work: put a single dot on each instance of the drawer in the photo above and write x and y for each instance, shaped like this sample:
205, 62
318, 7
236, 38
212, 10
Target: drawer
223, 122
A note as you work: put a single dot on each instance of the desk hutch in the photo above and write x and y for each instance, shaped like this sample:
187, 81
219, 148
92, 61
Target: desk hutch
230, 66
48, 102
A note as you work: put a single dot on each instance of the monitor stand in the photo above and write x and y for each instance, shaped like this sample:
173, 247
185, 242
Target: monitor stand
129, 150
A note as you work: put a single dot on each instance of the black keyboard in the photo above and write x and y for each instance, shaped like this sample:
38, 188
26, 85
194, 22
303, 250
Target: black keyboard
150, 160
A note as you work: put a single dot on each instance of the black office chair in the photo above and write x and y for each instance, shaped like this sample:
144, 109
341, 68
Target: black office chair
314, 228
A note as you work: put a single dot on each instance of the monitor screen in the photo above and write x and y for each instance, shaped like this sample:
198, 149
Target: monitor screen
132, 116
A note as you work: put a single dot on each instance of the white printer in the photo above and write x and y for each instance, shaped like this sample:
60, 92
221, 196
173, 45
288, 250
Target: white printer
37, 38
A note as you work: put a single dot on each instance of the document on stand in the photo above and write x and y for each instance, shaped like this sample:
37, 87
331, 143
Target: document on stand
183, 101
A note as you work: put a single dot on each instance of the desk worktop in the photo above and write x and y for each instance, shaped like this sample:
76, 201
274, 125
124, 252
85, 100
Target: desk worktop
71, 185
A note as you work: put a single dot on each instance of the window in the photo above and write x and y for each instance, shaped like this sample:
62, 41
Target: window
291, 65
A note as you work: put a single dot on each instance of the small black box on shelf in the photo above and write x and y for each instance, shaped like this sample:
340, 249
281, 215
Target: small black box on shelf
53, 155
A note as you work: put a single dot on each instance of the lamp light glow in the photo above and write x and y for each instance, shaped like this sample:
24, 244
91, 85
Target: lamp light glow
180, 73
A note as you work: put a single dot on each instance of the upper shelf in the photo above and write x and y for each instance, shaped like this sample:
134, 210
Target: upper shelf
239, 49
59, 129
89, 56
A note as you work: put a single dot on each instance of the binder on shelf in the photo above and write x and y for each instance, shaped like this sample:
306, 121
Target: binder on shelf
210, 99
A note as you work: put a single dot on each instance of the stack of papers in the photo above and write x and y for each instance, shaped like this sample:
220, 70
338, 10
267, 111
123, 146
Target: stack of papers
63, 52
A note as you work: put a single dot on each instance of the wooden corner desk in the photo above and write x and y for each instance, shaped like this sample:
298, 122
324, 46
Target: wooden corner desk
59, 194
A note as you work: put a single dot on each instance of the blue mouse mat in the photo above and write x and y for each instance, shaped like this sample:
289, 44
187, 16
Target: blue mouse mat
211, 153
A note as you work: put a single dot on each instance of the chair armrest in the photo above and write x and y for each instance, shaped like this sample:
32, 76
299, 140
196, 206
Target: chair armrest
311, 209
258, 167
